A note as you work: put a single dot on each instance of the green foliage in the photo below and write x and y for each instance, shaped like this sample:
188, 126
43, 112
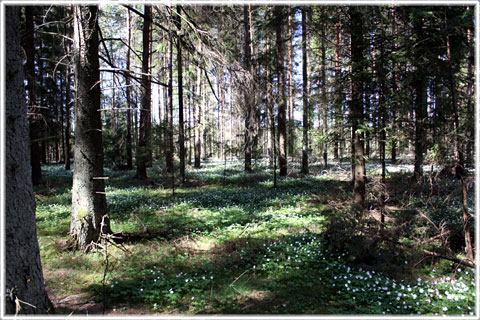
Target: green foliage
244, 247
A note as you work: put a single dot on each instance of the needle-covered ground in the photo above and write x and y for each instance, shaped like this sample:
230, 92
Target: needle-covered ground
229, 243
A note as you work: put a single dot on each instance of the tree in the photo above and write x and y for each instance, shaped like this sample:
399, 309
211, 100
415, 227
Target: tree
197, 118
282, 127
36, 117
306, 111
181, 125
357, 47
89, 217
128, 94
24, 283
420, 85
248, 95
144, 151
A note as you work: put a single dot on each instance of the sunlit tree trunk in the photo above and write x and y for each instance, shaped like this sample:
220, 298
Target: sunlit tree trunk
89, 206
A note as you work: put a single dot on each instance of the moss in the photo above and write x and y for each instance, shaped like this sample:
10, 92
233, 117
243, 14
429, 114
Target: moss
82, 213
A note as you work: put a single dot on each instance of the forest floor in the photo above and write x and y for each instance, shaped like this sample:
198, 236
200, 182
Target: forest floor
228, 242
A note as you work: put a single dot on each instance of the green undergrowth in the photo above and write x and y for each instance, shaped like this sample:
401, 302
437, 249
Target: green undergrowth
230, 243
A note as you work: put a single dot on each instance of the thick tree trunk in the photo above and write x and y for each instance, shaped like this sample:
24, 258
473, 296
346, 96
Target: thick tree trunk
144, 150
357, 46
89, 206
282, 127
305, 145
24, 283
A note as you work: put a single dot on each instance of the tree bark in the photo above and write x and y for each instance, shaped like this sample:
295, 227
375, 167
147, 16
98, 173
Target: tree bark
197, 110
291, 86
36, 119
460, 162
128, 95
420, 85
357, 47
144, 150
305, 145
24, 283
181, 125
282, 128
89, 215
248, 94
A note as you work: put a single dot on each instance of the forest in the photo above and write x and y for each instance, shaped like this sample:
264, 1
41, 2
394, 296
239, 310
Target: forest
254, 159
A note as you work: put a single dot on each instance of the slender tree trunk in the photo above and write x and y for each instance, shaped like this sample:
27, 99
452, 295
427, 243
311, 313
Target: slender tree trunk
89, 217
470, 137
36, 119
248, 94
460, 163
128, 95
282, 128
324, 95
291, 86
420, 105
181, 124
68, 96
306, 111
197, 110
357, 47
338, 93
170, 146
24, 284
144, 151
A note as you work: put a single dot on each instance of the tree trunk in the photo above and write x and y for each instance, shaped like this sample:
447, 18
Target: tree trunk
459, 166
24, 283
324, 95
196, 118
68, 97
305, 93
357, 46
248, 94
128, 95
89, 206
181, 125
291, 86
282, 128
420, 105
169, 114
144, 151
36, 119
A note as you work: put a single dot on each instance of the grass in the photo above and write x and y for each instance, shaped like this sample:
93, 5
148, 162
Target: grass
230, 243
